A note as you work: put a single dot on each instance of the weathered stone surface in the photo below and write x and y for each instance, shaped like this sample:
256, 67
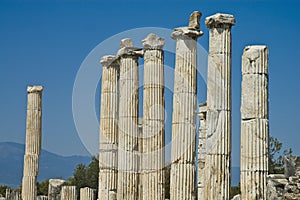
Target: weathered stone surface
153, 157
13, 195
255, 60
33, 142
108, 144
42, 198
87, 194
202, 150
127, 49
68, 193
184, 111
220, 20
128, 158
54, 189
292, 166
194, 20
254, 125
237, 197
218, 148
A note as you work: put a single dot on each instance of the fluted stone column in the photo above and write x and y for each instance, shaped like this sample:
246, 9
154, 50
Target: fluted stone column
183, 153
87, 194
140, 147
128, 158
54, 188
108, 158
217, 182
202, 150
153, 157
68, 193
255, 123
33, 142
41, 197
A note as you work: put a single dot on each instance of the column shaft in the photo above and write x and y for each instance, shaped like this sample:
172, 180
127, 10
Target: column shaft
68, 193
33, 142
87, 194
202, 150
217, 181
183, 153
108, 158
255, 123
153, 121
128, 158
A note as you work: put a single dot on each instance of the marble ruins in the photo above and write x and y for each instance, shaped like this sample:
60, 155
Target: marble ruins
131, 150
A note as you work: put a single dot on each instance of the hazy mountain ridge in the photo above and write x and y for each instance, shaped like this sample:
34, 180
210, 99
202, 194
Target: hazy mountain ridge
51, 165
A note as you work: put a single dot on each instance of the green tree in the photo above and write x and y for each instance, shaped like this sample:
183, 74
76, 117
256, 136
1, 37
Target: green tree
79, 177
42, 187
92, 173
276, 155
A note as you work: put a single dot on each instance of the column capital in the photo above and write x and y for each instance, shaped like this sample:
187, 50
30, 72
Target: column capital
127, 49
190, 31
109, 61
220, 20
35, 89
152, 41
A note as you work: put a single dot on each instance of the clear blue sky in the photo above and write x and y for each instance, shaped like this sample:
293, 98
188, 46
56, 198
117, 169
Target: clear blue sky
46, 42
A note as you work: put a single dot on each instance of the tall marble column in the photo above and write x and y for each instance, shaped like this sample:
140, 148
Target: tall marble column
87, 194
153, 158
108, 157
217, 182
33, 142
68, 193
255, 123
128, 151
183, 153
202, 150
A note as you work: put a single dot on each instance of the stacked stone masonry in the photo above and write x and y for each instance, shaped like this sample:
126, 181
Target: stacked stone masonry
183, 153
128, 152
202, 150
33, 142
108, 158
285, 186
218, 145
153, 158
255, 123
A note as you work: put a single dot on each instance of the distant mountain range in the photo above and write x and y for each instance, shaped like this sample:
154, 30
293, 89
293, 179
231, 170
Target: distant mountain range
51, 165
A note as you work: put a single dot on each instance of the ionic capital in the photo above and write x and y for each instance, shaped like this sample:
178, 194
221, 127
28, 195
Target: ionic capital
109, 61
35, 89
127, 49
152, 41
220, 20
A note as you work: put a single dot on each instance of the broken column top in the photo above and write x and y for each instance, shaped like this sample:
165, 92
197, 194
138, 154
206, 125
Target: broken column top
220, 20
35, 89
56, 182
152, 41
255, 60
126, 48
109, 60
192, 30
